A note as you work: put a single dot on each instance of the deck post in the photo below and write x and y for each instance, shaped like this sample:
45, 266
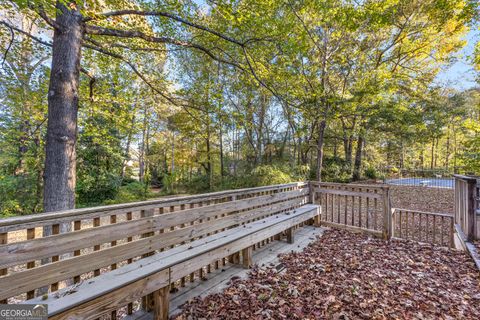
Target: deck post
471, 204
387, 214
161, 303
466, 205
311, 194
290, 235
247, 257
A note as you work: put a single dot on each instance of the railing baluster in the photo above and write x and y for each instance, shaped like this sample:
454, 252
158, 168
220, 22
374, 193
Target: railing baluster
441, 231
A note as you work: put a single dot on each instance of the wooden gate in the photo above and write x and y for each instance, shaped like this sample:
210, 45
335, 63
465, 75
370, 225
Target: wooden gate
355, 207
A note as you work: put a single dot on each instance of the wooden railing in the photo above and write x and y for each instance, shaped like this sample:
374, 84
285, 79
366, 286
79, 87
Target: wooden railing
467, 205
354, 206
105, 238
421, 226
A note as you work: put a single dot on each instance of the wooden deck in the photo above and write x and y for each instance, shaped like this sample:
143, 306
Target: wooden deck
219, 279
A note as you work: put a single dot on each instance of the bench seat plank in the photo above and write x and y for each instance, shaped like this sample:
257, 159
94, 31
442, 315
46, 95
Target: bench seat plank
179, 262
68, 268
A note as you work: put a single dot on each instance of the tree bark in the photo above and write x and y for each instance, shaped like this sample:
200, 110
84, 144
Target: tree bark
358, 159
60, 148
60, 161
127, 148
432, 160
222, 169
141, 158
321, 137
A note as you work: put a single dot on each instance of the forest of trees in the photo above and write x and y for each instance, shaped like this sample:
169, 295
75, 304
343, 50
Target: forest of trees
102, 100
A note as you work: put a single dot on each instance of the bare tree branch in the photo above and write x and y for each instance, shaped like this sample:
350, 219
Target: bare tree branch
41, 12
12, 34
8, 25
96, 30
165, 15
141, 76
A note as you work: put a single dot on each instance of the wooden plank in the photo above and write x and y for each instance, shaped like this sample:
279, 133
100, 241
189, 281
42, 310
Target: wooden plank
343, 185
182, 260
24, 251
219, 280
27, 280
256, 234
352, 228
37, 220
427, 213
109, 299
349, 193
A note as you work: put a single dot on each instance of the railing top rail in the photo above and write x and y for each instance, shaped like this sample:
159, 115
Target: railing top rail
466, 178
350, 185
73, 214
424, 212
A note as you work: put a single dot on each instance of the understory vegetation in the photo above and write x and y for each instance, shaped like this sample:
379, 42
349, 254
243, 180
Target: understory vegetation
197, 96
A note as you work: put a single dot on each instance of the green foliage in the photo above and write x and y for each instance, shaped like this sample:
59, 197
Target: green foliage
134, 191
371, 173
243, 116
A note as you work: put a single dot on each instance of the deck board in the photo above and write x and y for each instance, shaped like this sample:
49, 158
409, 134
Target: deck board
219, 280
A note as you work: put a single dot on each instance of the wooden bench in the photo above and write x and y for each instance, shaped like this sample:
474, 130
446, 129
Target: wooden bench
126, 252
156, 273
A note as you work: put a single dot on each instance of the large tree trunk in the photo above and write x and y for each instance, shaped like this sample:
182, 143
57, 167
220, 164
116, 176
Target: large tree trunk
60, 161
141, 158
432, 160
447, 151
127, 148
60, 149
358, 159
222, 168
321, 137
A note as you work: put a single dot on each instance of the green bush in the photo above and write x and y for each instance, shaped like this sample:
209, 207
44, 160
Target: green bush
336, 170
265, 175
134, 191
93, 189
371, 173
18, 195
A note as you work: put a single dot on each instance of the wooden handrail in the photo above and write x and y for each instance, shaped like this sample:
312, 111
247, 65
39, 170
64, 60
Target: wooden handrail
22, 222
423, 212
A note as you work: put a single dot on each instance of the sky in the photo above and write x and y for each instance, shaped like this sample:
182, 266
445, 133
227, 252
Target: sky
461, 75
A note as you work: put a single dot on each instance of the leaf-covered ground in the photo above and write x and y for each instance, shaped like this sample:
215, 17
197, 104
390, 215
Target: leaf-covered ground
344, 275
423, 199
